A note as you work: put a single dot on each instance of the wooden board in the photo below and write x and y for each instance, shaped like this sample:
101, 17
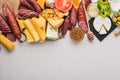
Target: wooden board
14, 4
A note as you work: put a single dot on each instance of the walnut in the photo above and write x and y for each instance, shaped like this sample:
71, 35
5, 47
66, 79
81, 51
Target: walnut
90, 36
117, 33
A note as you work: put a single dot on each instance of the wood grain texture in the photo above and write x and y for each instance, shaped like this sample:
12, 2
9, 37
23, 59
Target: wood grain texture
14, 5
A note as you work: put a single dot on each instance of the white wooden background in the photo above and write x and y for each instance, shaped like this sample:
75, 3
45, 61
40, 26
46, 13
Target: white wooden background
63, 60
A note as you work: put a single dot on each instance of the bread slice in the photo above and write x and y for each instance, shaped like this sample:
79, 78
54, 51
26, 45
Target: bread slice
55, 22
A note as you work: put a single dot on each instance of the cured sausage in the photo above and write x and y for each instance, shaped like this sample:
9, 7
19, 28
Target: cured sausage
82, 18
9, 15
11, 36
73, 17
35, 5
65, 26
26, 4
87, 2
6, 29
24, 14
3, 25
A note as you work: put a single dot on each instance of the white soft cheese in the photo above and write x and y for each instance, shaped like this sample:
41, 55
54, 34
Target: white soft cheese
52, 33
99, 22
92, 10
103, 30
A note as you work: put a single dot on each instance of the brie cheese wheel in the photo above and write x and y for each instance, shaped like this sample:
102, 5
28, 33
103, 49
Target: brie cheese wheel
115, 5
52, 33
99, 22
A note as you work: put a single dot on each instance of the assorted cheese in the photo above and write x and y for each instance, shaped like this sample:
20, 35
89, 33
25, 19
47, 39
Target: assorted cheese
102, 25
46, 25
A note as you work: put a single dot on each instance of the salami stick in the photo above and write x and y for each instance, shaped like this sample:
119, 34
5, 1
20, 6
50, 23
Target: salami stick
82, 18
12, 21
84, 7
3, 25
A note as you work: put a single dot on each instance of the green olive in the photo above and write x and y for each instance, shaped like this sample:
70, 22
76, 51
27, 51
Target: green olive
118, 14
118, 18
118, 23
114, 19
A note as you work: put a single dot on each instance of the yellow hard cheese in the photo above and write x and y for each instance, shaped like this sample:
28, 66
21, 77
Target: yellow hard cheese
21, 23
41, 3
31, 29
28, 36
6, 42
40, 26
76, 3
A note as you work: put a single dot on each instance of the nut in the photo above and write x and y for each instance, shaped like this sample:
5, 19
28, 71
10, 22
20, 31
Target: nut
90, 36
117, 33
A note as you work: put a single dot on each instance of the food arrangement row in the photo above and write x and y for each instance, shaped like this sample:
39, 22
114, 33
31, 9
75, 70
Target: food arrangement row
41, 20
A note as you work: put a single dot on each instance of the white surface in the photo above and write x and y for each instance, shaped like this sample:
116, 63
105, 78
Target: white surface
115, 5
63, 60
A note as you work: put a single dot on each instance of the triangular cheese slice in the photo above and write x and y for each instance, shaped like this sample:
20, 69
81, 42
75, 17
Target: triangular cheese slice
55, 22
105, 28
102, 30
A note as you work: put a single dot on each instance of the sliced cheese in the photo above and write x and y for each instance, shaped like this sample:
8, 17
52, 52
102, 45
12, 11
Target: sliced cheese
21, 23
31, 29
41, 3
40, 27
102, 30
55, 22
28, 36
52, 33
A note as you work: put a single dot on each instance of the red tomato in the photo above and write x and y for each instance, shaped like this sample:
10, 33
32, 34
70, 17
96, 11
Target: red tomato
63, 5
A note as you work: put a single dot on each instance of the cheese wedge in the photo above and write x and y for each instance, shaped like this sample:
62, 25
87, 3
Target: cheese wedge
52, 33
42, 22
58, 13
102, 25
21, 23
28, 36
41, 3
102, 31
55, 23
31, 29
40, 26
